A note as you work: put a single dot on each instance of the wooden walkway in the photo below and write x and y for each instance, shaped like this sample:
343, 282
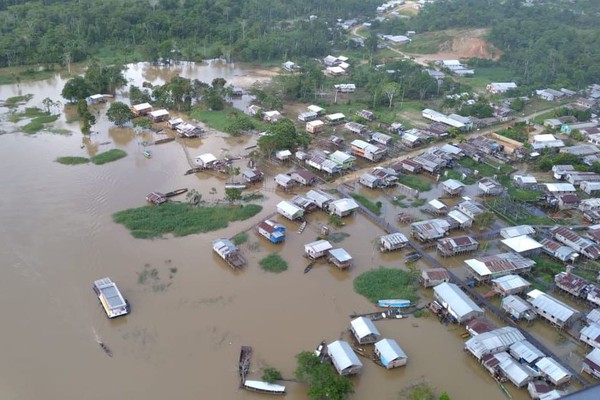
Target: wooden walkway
479, 299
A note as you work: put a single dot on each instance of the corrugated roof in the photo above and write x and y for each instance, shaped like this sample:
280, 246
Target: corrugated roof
514, 231
364, 327
516, 303
511, 282
394, 238
515, 372
340, 254
389, 350
592, 331
497, 340
553, 307
522, 243
548, 366
453, 184
593, 316
456, 299
343, 354
436, 274
594, 357
437, 204
499, 263
318, 246
345, 204
288, 208
526, 351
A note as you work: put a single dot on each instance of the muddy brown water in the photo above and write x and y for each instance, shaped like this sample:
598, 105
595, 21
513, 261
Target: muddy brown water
190, 312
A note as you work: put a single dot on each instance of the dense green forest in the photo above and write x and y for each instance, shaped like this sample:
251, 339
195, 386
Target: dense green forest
51, 31
548, 43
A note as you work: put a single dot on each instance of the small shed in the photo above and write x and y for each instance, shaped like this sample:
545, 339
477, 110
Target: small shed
340, 258
96, 98
437, 206
283, 155
364, 330
206, 160
316, 109
304, 177
343, 207
317, 249
453, 187
336, 118
390, 354
285, 181
435, 276
393, 241
271, 230
159, 115
315, 126
141, 109
370, 181
290, 211
253, 175
517, 308
344, 360
173, 122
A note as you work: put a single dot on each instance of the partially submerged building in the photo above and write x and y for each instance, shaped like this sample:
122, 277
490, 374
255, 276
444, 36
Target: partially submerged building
340, 258
553, 371
433, 277
591, 363
317, 249
452, 246
458, 305
290, 210
344, 360
510, 284
517, 308
580, 244
343, 207
390, 354
552, 309
393, 241
493, 342
322, 199
271, 230
490, 267
364, 330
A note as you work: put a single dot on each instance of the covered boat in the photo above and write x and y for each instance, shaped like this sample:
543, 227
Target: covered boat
393, 303
264, 387
111, 298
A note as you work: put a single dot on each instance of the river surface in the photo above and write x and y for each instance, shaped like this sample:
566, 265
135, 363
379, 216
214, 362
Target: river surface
190, 312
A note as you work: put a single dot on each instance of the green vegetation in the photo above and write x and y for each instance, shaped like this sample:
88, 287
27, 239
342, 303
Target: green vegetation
337, 237
386, 283
37, 124
418, 202
271, 375
120, 113
424, 313
323, 381
181, 219
484, 168
420, 391
416, 182
240, 238
142, 122
108, 156
273, 263
523, 195
515, 212
484, 75
374, 207
545, 268
484, 220
227, 120
38, 117
427, 43
517, 132
69, 160
335, 220
14, 101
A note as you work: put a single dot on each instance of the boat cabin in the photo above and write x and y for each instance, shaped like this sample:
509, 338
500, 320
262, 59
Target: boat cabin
111, 298
264, 387
156, 198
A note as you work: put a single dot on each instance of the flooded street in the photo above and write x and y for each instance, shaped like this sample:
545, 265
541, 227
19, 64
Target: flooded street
190, 311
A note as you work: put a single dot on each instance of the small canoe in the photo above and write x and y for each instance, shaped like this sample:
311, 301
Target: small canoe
176, 192
393, 303
237, 186
105, 349
147, 154
193, 170
309, 267
264, 387
320, 349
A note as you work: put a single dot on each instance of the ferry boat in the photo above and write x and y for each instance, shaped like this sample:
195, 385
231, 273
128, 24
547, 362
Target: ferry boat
393, 303
111, 298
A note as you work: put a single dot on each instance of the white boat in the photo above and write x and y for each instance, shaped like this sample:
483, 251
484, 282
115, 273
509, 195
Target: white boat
264, 387
394, 303
111, 298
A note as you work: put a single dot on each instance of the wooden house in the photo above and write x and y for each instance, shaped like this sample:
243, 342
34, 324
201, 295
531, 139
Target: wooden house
357, 128
344, 160
489, 187
284, 181
390, 354
283, 155
591, 363
307, 116
453, 187
315, 126
271, 230
392, 242
173, 122
433, 277
452, 246
517, 308
229, 252
510, 284
344, 360
253, 175
343, 207
96, 99
141, 109
322, 199
271, 116
382, 138
370, 181
159, 115
206, 160
304, 177
340, 258
304, 203
364, 330
317, 249
366, 114
290, 211
366, 150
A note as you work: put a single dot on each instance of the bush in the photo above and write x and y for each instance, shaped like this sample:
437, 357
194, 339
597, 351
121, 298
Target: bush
386, 283
415, 182
240, 238
108, 156
68, 160
273, 263
375, 208
271, 375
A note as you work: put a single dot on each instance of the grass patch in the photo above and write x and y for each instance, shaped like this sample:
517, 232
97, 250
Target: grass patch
546, 267
108, 156
524, 195
240, 238
181, 219
37, 124
418, 202
221, 120
486, 169
484, 75
337, 237
426, 43
68, 160
386, 283
143, 122
273, 263
424, 313
14, 101
375, 208
415, 182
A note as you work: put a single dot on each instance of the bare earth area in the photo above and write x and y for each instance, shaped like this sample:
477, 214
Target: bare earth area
463, 44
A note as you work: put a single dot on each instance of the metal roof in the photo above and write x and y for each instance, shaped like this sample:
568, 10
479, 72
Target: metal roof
456, 299
453, 184
343, 355
389, 350
318, 246
394, 238
593, 316
264, 386
159, 113
552, 369
364, 327
340, 254
526, 351
516, 303
341, 156
437, 204
515, 372
366, 177
345, 204
499, 263
593, 356
288, 208
560, 187
206, 158
319, 196
110, 292
459, 217
552, 307
497, 340
592, 331
511, 282
522, 243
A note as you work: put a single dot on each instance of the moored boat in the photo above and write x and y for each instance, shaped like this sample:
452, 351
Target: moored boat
176, 192
147, 154
111, 298
319, 351
244, 363
165, 140
264, 387
193, 170
393, 303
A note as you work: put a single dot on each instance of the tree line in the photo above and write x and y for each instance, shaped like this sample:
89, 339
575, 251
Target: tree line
53, 31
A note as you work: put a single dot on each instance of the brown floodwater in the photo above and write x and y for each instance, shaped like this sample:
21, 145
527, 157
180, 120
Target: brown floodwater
190, 312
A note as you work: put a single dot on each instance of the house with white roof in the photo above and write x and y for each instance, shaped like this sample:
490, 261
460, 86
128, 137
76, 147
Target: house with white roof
344, 160
523, 245
344, 359
517, 308
322, 199
206, 160
493, 342
343, 207
591, 335
456, 302
364, 330
390, 354
366, 150
515, 231
510, 284
497, 265
591, 363
552, 309
393, 241
317, 249
553, 371
525, 352
453, 187
290, 210
500, 87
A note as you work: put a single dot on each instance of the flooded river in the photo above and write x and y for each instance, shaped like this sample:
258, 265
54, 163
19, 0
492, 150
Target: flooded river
190, 312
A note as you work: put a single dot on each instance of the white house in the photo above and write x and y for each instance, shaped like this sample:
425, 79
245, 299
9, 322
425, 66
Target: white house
390, 354
343, 207
317, 249
364, 330
290, 211
344, 359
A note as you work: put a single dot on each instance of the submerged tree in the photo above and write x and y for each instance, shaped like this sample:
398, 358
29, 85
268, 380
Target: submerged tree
323, 381
119, 113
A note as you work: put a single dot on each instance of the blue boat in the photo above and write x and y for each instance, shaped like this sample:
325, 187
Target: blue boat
394, 303
147, 154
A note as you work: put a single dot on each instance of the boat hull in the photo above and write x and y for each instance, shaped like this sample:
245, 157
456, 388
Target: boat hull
393, 303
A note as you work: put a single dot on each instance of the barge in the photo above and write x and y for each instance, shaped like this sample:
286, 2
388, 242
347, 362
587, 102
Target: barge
110, 297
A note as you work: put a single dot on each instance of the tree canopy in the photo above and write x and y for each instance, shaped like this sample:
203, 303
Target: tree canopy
283, 136
119, 113
322, 379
